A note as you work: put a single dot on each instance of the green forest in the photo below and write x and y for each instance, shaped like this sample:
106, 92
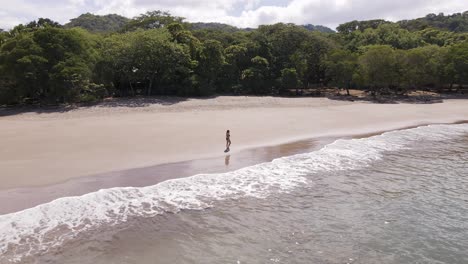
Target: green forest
94, 57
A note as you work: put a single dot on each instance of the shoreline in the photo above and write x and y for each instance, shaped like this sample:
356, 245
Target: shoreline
27, 197
93, 145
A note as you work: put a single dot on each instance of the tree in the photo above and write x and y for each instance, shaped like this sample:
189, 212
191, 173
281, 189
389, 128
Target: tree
141, 59
96, 23
48, 64
457, 22
392, 34
152, 20
458, 63
215, 26
340, 68
255, 78
319, 28
309, 59
355, 25
211, 62
289, 79
3, 36
186, 38
423, 66
378, 68
22, 63
237, 60
42, 23
153, 52
384, 34
114, 68
160, 54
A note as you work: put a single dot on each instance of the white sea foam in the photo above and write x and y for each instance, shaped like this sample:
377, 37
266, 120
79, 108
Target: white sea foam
48, 225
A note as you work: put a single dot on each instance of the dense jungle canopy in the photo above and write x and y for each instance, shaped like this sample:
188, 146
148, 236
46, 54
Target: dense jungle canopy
94, 57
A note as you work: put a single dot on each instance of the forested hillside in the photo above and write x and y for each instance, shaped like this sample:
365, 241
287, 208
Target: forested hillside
216, 26
456, 22
160, 54
95, 23
318, 28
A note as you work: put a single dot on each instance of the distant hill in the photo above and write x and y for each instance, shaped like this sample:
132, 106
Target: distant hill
319, 28
213, 25
96, 23
457, 22
229, 28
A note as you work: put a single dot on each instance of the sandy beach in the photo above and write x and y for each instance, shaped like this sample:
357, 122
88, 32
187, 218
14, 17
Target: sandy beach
47, 147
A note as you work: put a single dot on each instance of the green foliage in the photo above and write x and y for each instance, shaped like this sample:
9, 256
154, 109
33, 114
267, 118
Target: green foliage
237, 60
92, 92
137, 63
8, 93
186, 38
340, 68
159, 54
378, 68
385, 34
289, 78
424, 66
152, 20
458, 63
457, 22
215, 26
211, 61
43, 23
47, 64
319, 28
231, 29
353, 26
101, 24
225, 38
255, 78
3, 37
441, 38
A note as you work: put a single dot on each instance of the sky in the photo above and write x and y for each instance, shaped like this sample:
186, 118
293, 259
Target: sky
240, 13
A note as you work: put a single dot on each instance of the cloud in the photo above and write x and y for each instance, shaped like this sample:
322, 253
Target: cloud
242, 13
23, 11
334, 12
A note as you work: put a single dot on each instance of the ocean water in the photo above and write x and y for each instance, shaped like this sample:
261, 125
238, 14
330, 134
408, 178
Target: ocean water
398, 197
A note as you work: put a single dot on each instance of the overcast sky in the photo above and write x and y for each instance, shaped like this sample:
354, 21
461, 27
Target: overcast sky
241, 13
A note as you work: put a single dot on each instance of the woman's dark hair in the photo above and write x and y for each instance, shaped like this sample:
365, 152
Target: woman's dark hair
227, 131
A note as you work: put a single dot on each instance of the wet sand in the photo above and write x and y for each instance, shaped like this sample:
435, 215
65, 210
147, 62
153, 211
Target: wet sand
22, 198
371, 213
45, 147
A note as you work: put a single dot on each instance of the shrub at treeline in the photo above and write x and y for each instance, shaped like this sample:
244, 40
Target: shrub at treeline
159, 54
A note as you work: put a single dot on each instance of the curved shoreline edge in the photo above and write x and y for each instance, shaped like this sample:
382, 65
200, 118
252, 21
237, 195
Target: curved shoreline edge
50, 225
18, 199
46, 149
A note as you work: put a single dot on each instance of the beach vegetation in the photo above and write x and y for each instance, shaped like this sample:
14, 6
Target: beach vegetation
94, 57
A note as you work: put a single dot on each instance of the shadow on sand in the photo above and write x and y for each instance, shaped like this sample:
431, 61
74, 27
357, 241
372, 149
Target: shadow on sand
400, 99
107, 103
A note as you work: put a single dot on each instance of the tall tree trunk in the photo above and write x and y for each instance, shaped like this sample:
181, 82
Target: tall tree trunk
151, 82
131, 88
150, 87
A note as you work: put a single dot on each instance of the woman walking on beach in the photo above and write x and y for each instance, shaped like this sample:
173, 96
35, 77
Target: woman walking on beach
228, 140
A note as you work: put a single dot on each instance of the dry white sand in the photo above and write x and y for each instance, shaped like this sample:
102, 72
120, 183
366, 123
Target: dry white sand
46, 148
